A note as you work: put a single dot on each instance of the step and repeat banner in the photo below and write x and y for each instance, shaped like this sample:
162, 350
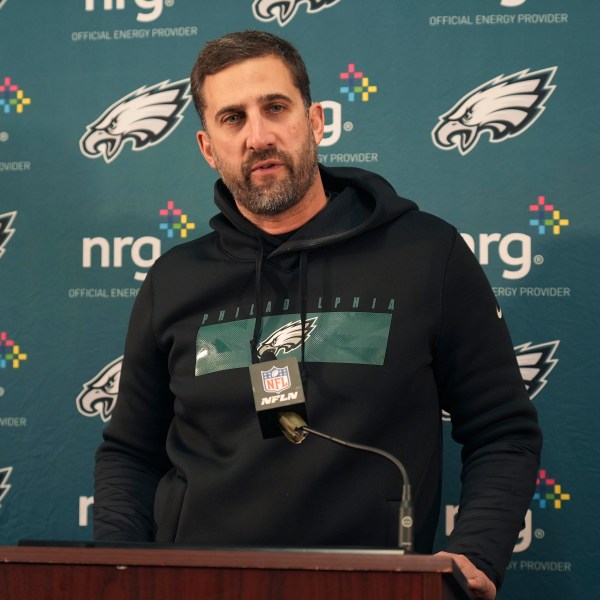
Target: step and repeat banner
482, 111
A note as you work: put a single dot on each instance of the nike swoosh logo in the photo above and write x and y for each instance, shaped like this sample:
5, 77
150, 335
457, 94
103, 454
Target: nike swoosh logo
499, 312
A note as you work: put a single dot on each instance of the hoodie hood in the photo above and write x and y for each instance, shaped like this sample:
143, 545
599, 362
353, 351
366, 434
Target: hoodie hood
360, 201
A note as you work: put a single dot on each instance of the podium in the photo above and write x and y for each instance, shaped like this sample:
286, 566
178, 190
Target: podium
175, 573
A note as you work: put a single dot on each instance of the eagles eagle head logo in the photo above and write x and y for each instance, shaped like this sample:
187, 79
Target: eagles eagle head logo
287, 338
6, 230
285, 10
5, 473
503, 108
535, 364
144, 118
99, 395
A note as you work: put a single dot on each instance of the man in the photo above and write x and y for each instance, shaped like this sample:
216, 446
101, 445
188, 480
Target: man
388, 313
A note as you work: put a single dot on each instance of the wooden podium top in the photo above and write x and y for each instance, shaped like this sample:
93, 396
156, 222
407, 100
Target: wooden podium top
244, 558
245, 569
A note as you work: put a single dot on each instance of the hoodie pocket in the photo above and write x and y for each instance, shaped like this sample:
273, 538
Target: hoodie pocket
168, 503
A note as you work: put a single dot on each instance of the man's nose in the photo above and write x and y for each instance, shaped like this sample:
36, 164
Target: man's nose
260, 134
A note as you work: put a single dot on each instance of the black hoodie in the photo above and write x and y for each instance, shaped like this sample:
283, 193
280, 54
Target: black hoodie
399, 323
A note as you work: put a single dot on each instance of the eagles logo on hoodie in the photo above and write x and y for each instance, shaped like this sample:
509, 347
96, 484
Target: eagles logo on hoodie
287, 338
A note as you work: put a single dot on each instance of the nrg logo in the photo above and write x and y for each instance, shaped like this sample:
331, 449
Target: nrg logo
142, 251
514, 250
333, 122
154, 8
525, 535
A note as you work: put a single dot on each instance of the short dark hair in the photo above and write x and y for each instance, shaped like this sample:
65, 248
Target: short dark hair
236, 47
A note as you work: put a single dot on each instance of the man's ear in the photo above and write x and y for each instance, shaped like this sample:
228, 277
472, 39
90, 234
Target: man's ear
206, 148
316, 116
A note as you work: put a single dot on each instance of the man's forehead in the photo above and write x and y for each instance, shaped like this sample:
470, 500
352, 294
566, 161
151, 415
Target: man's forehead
255, 79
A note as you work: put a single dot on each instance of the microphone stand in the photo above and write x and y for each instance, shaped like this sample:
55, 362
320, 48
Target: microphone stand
295, 429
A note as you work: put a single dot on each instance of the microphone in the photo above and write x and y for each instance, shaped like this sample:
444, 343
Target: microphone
285, 412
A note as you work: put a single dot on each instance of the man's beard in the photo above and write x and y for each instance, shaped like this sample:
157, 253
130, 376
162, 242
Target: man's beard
274, 195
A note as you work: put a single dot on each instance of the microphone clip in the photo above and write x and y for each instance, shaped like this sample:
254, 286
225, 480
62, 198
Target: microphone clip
292, 425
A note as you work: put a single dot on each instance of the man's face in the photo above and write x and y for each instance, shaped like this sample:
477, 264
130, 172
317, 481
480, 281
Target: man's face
259, 136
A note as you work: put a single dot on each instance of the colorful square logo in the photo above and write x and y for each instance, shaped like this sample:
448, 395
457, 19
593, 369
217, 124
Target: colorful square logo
549, 493
356, 85
10, 352
174, 221
547, 217
12, 98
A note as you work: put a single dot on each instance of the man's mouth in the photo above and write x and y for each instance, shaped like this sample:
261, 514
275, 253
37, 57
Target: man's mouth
265, 165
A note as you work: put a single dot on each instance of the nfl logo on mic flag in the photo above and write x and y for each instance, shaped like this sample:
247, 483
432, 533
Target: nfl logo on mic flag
276, 379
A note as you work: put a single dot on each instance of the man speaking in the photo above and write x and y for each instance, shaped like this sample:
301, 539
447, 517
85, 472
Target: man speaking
387, 314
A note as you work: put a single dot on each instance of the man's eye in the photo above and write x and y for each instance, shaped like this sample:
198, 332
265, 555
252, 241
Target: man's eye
275, 108
232, 118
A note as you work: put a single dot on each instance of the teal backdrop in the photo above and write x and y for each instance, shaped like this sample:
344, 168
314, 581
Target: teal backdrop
484, 112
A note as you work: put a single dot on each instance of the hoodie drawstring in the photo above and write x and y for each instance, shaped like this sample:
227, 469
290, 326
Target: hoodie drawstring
258, 301
303, 311
303, 279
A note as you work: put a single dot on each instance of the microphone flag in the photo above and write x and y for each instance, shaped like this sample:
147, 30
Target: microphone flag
277, 387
